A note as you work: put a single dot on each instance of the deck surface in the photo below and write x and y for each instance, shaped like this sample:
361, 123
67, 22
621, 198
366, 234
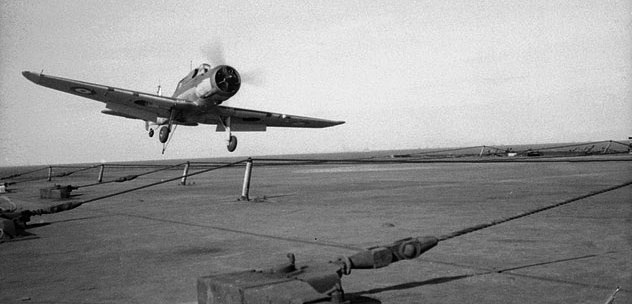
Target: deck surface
151, 245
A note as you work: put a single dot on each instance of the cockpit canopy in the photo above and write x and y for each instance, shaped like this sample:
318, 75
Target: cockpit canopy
201, 70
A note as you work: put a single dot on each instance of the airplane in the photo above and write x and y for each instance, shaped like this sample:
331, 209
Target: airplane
197, 100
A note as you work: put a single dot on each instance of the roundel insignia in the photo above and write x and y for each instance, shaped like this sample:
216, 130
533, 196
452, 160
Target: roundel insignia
84, 91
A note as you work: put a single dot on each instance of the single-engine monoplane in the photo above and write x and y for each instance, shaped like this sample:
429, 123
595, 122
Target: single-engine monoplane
197, 100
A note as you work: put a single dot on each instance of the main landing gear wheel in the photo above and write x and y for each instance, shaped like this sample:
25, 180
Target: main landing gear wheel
164, 134
151, 132
232, 143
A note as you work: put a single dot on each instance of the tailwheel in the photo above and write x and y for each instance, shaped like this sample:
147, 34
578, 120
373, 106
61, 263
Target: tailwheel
164, 134
151, 132
232, 143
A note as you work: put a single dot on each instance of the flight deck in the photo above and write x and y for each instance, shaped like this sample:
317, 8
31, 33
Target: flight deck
151, 245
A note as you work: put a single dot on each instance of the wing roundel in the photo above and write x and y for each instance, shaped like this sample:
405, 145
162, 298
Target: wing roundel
127, 102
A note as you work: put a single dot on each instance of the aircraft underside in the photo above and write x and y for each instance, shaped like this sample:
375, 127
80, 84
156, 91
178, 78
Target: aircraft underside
197, 100
165, 131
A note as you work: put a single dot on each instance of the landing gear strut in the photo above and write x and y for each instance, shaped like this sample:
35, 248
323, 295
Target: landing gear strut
232, 140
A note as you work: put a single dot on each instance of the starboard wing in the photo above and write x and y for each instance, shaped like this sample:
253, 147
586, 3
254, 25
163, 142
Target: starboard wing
251, 119
131, 104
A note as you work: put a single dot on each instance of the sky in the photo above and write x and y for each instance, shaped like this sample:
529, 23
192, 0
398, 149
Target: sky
402, 74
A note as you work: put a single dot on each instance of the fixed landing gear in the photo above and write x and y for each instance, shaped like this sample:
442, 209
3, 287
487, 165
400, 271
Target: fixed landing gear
232, 143
163, 136
232, 140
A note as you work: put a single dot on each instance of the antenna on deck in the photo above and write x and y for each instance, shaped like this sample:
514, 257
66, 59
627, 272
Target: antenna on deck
159, 91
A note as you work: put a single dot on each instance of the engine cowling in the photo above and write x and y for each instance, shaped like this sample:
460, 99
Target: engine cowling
223, 82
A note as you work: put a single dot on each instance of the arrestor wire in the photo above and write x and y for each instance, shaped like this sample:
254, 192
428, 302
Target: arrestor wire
23, 173
534, 211
135, 176
62, 174
163, 181
441, 238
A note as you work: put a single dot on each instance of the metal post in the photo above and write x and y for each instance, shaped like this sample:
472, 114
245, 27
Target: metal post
50, 173
183, 182
101, 170
246, 187
482, 150
607, 147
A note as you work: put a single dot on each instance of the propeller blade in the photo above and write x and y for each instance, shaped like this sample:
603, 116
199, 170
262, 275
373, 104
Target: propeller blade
253, 77
214, 52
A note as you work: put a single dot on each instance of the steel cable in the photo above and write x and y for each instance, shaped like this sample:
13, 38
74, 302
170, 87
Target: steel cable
534, 211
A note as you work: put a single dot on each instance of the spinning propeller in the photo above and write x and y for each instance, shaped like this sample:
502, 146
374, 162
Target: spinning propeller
214, 52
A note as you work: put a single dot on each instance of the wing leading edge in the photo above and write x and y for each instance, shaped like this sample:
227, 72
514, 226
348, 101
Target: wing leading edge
133, 104
253, 117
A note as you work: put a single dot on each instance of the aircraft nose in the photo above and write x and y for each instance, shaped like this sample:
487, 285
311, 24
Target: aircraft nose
31, 76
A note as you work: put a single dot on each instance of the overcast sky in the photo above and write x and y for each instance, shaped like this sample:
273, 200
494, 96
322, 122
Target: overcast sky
402, 74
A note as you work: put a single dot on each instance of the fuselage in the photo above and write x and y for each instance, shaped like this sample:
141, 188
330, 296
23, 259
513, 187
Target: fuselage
186, 87
207, 86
